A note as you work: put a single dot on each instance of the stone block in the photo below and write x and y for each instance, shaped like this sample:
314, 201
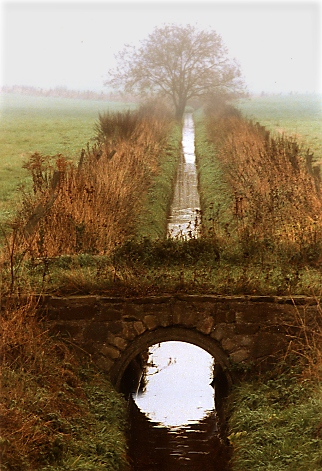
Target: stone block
104, 363
246, 329
221, 331
230, 316
220, 316
139, 327
108, 313
118, 342
74, 307
178, 314
229, 344
96, 331
110, 352
129, 333
234, 343
245, 340
262, 299
153, 300
255, 313
190, 319
239, 356
266, 344
206, 325
165, 320
115, 327
151, 322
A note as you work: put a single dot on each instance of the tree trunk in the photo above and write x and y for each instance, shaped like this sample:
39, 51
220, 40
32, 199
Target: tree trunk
180, 107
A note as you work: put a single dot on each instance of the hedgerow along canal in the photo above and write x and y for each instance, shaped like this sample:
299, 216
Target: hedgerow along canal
174, 423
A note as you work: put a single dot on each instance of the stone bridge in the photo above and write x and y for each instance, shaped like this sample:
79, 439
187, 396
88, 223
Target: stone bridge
233, 329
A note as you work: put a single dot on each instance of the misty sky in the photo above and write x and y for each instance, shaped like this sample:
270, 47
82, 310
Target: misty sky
72, 44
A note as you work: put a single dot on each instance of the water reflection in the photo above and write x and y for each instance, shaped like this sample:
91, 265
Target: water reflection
174, 422
180, 374
184, 217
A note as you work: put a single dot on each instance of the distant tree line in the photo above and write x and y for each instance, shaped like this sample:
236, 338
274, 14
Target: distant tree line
64, 92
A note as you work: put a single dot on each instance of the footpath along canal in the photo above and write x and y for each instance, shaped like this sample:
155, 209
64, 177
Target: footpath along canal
174, 422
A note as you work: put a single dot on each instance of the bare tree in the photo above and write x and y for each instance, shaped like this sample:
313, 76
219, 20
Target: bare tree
179, 62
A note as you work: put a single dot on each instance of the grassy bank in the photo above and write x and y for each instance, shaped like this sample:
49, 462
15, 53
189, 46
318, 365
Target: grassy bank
152, 222
276, 424
261, 206
276, 418
79, 212
58, 411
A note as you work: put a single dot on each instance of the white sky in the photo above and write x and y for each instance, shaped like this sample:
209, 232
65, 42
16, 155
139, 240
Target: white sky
48, 44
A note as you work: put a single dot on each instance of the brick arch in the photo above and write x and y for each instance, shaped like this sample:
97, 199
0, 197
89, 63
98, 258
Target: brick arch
163, 334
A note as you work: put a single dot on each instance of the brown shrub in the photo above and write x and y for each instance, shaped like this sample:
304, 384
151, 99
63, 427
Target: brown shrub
276, 194
93, 206
34, 398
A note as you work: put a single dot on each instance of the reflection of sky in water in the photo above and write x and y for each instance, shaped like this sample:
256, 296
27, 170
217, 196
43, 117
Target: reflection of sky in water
188, 140
180, 393
184, 218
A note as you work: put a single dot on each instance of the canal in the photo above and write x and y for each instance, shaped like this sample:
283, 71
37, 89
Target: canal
173, 418
174, 424
184, 219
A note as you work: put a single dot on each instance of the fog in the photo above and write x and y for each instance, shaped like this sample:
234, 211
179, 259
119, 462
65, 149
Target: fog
72, 44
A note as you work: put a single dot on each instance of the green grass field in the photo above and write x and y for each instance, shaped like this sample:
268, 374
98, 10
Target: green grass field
295, 115
63, 125
41, 124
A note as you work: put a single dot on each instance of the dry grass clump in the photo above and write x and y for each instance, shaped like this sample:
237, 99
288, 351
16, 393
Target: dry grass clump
56, 409
277, 194
37, 373
93, 206
306, 340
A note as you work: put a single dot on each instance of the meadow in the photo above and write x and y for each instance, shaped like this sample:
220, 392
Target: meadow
47, 125
299, 116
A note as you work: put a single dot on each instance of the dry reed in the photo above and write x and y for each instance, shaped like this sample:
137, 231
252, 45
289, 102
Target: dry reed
277, 195
93, 206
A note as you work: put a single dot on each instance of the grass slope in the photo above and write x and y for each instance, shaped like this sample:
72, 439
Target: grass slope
276, 425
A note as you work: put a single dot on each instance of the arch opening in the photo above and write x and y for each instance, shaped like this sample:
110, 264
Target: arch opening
175, 420
127, 370
177, 384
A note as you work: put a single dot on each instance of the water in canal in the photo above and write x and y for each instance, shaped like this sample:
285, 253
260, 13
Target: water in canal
174, 423
184, 220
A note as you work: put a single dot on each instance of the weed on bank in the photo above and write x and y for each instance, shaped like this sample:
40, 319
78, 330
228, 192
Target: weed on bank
275, 419
57, 411
44, 124
276, 424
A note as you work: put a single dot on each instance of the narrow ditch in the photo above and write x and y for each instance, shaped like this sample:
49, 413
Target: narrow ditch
184, 219
174, 421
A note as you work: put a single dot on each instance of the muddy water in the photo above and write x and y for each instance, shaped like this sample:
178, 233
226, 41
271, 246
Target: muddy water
174, 425
184, 217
